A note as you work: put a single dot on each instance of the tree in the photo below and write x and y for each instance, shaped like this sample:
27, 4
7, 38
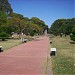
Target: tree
14, 22
5, 7
17, 21
5, 10
39, 23
3, 36
62, 26
3, 18
72, 36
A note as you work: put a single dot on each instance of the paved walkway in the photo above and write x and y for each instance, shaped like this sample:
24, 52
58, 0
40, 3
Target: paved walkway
26, 59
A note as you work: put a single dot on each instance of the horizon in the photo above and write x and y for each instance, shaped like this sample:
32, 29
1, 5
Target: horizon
46, 10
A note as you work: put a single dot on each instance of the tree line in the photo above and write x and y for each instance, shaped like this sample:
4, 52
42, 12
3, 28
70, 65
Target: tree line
64, 26
14, 22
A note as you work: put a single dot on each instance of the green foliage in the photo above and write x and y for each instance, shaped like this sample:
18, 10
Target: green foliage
14, 22
5, 6
3, 18
72, 36
62, 26
73, 30
3, 36
32, 33
2, 15
37, 21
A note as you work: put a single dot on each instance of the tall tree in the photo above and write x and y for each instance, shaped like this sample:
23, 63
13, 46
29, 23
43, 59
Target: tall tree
62, 26
37, 21
5, 7
72, 35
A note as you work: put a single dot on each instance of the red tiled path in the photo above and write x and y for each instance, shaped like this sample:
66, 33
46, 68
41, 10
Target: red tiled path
26, 59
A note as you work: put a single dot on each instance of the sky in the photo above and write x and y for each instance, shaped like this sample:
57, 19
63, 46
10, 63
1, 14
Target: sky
46, 10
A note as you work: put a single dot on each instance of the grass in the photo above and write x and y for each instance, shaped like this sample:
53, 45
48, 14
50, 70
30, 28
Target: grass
64, 61
9, 43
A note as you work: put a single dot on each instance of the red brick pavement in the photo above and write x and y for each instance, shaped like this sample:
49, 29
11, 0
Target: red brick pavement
26, 59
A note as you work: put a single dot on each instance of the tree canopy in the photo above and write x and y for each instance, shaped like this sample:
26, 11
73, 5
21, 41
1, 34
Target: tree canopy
5, 7
64, 26
14, 22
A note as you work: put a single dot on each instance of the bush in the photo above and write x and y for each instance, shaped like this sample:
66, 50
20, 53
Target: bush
32, 34
3, 36
72, 37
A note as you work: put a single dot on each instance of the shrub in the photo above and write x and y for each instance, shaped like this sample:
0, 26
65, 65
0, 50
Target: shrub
31, 33
3, 36
72, 36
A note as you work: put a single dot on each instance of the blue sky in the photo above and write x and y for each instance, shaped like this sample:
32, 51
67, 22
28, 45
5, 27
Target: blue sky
46, 10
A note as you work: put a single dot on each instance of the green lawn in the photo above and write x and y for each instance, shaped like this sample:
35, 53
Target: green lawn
9, 43
64, 61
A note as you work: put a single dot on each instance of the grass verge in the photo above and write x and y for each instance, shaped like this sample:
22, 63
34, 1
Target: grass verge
64, 61
9, 43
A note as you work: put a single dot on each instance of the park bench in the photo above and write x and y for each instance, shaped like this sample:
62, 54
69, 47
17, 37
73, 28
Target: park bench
24, 40
53, 52
1, 50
